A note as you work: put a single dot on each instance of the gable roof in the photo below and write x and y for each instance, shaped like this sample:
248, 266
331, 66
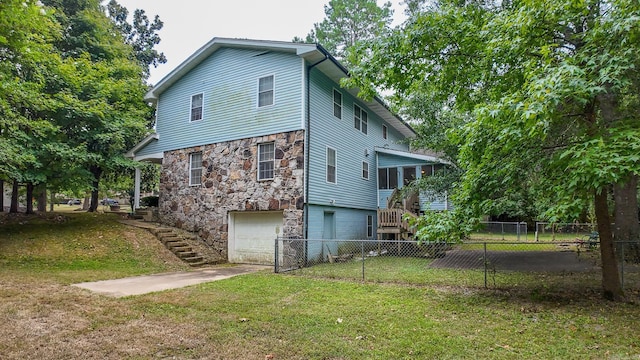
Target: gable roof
312, 53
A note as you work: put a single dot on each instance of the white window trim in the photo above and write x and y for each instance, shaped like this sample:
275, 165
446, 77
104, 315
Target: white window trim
368, 172
272, 160
370, 234
326, 165
191, 107
333, 94
191, 168
360, 121
273, 102
385, 132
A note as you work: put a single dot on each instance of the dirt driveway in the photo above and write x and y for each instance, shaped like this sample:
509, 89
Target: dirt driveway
543, 261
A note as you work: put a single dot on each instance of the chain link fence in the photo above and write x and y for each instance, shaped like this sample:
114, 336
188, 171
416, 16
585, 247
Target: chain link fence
501, 230
563, 231
560, 265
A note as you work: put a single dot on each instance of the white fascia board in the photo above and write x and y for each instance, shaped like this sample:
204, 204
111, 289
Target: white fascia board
131, 154
411, 155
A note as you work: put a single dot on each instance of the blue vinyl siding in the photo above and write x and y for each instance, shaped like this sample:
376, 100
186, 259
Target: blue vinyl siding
151, 148
229, 81
350, 189
350, 224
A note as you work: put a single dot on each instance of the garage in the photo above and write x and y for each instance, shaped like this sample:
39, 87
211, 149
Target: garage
252, 236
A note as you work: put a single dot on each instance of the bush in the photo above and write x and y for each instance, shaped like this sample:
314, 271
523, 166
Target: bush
442, 226
149, 201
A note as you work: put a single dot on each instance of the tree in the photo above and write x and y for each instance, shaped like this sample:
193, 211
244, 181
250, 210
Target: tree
349, 21
141, 35
26, 62
99, 90
547, 92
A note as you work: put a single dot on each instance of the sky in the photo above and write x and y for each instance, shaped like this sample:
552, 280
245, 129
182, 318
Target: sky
189, 24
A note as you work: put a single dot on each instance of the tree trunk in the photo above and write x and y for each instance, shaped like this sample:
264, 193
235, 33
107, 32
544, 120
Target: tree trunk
42, 199
97, 173
52, 200
14, 198
611, 287
29, 198
1, 195
627, 224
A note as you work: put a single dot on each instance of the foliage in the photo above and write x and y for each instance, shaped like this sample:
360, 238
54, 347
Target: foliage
442, 226
347, 22
26, 30
71, 92
544, 95
149, 201
100, 89
141, 35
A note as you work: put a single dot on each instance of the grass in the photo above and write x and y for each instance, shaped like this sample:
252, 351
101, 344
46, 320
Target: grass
285, 316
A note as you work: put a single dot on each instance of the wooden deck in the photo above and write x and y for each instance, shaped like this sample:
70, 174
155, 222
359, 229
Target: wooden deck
391, 221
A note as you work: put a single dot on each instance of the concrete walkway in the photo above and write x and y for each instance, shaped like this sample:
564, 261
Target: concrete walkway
150, 283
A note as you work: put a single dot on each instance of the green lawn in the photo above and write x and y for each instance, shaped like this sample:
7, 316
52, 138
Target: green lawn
280, 315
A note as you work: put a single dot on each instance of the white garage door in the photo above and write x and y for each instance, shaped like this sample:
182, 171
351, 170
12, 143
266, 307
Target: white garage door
252, 236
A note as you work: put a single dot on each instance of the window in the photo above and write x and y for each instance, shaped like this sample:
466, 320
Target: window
331, 165
365, 121
195, 168
369, 226
408, 174
427, 170
360, 119
365, 170
266, 161
196, 107
430, 170
384, 131
337, 104
388, 178
265, 91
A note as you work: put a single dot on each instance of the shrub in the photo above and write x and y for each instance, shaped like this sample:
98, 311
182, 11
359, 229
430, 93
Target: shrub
149, 201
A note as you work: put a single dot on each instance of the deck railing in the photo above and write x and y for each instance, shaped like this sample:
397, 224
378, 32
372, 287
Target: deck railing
393, 218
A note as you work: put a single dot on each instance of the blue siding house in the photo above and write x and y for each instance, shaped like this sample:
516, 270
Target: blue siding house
256, 139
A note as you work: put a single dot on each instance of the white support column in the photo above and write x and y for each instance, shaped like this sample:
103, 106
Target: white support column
136, 195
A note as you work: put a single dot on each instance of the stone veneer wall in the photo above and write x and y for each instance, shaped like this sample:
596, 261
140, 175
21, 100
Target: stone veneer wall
229, 183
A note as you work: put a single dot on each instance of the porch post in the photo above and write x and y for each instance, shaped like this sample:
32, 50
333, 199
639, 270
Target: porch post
136, 195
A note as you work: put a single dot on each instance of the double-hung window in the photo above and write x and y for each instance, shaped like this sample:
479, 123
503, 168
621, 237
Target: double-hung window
337, 104
360, 119
195, 168
369, 226
196, 107
365, 170
266, 161
332, 165
384, 132
265, 91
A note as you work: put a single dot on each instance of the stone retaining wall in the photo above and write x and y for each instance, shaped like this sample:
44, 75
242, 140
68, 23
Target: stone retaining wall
229, 183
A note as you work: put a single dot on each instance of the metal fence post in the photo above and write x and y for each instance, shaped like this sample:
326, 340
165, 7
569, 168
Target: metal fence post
362, 253
622, 266
275, 263
485, 264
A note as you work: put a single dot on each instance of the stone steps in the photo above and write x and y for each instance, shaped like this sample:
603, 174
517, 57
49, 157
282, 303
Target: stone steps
178, 246
182, 244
